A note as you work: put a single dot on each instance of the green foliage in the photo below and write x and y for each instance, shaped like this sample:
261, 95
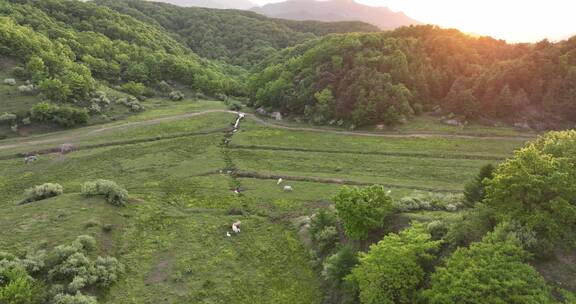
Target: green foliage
430, 201
474, 190
323, 231
537, 187
8, 118
176, 95
387, 77
77, 298
393, 269
41, 192
113, 193
16, 287
65, 116
134, 88
241, 38
54, 90
362, 209
66, 270
492, 271
337, 266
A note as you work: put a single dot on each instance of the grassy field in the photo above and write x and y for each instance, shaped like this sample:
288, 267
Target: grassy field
172, 233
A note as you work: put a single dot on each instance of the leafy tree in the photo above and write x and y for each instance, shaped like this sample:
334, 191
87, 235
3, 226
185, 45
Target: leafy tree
337, 266
394, 268
55, 90
474, 190
362, 209
492, 271
537, 187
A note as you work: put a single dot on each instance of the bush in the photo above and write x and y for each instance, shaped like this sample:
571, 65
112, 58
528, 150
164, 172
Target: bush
134, 88
78, 298
393, 269
362, 209
492, 271
429, 201
65, 116
437, 229
176, 95
20, 73
323, 231
234, 106
41, 192
7, 118
16, 287
474, 190
113, 193
132, 103
473, 225
338, 266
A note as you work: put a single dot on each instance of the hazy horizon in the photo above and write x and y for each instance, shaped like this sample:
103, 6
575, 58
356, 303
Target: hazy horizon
511, 20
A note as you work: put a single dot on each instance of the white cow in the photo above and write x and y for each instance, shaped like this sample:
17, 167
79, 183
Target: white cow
280, 180
288, 188
236, 226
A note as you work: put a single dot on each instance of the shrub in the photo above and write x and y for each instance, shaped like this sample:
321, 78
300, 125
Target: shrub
78, 298
10, 81
176, 95
112, 192
474, 190
20, 73
429, 201
234, 106
16, 287
492, 271
362, 209
437, 229
41, 192
337, 266
134, 88
7, 118
132, 103
393, 269
65, 116
473, 225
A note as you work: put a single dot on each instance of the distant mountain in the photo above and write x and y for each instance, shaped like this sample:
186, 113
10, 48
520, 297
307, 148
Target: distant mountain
336, 10
222, 4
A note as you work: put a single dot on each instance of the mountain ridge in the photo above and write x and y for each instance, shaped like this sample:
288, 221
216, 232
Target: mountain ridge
336, 10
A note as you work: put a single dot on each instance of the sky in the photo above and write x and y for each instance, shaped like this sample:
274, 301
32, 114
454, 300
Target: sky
511, 20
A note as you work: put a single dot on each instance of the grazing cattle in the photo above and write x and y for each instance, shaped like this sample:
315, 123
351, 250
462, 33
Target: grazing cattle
236, 227
280, 180
30, 159
228, 234
288, 189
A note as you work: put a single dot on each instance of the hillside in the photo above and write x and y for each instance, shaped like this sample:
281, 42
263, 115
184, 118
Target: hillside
237, 37
387, 78
336, 10
219, 4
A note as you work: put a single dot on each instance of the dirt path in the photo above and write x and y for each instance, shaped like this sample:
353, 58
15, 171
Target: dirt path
94, 130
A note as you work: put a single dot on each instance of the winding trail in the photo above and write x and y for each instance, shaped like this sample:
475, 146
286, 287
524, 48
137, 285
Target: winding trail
86, 132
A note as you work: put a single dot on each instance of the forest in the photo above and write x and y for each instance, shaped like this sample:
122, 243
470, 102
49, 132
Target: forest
389, 77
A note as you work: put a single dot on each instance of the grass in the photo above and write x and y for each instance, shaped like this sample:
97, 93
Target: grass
172, 233
255, 134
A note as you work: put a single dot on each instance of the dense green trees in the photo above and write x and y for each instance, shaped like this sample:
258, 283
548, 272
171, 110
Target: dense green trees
537, 187
238, 37
491, 271
388, 77
393, 269
474, 190
362, 209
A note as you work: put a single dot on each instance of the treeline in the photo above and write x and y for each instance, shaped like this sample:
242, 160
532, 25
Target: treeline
237, 37
387, 77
